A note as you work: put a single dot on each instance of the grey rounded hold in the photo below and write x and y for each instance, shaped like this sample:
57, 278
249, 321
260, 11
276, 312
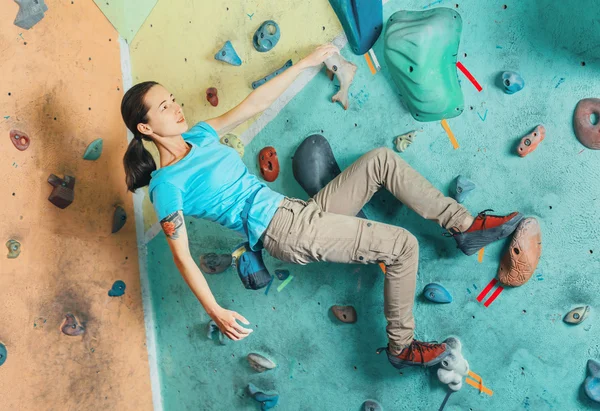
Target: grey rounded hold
260, 363
345, 313
371, 405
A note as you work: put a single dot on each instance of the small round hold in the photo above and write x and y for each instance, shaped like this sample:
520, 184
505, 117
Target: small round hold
71, 327
345, 313
260, 363
371, 405
118, 289
212, 96
512, 82
577, 315
14, 248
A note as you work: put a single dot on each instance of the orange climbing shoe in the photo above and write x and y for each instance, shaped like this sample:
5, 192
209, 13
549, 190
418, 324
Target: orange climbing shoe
485, 230
426, 354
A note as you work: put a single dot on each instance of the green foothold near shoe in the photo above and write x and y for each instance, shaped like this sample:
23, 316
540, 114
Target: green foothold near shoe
420, 50
94, 150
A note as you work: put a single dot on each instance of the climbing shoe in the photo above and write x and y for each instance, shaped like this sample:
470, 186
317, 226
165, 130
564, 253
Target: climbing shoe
485, 230
426, 354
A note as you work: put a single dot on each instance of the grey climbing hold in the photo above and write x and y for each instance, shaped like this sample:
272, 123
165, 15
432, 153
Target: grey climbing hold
62, 195
277, 72
577, 315
267, 400
93, 151
71, 326
402, 142
3, 353
119, 219
213, 327
371, 405
30, 13
14, 248
260, 363
462, 187
228, 55
266, 37
213, 263
345, 313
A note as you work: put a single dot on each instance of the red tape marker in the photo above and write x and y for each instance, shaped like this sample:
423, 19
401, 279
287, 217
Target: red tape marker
493, 297
487, 289
468, 75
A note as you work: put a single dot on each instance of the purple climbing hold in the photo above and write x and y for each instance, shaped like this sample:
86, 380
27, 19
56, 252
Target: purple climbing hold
63, 195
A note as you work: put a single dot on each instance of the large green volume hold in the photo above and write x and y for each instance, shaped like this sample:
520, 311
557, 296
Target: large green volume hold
420, 50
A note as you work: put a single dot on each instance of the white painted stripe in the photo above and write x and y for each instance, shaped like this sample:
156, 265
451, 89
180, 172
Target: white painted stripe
138, 198
152, 232
374, 58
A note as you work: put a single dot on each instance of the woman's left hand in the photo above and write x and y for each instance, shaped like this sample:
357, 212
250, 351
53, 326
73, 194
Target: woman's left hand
318, 56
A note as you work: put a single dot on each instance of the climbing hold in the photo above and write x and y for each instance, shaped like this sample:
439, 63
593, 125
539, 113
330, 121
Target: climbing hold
14, 248
577, 315
282, 274
266, 37
212, 97
3, 354
268, 163
591, 384
420, 49
93, 151
234, 142
251, 267
62, 195
71, 327
228, 55
118, 289
531, 141
19, 139
267, 400
522, 257
277, 72
402, 142
371, 405
260, 363
586, 122
362, 21
345, 313
30, 13
462, 187
512, 82
213, 263
437, 293
453, 367
344, 71
213, 327
119, 219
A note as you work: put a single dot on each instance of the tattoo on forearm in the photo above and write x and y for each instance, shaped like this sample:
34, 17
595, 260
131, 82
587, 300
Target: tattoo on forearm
171, 224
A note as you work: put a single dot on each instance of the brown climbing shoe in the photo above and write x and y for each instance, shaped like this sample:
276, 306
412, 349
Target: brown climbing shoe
426, 354
521, 259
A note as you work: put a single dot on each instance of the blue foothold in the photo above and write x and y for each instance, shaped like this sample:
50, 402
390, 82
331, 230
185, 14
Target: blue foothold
266, 37
437, 293
227, 54
3, 353
282, 274
592, 383
118, 289
512, 82
463, 186
277, 72
94, 150
267, 400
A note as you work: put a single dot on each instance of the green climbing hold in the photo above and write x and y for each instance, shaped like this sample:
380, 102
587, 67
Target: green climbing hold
93, 151
420, 50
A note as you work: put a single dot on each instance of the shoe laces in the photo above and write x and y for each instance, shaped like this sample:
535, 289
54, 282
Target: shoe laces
415, 345
453, 231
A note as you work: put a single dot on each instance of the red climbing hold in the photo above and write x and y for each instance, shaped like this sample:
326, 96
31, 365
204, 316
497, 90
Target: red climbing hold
62, 195
19, 139
211, 96
269, 164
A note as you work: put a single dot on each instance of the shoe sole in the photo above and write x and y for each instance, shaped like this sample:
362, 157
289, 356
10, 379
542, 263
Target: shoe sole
470, 243
400, 364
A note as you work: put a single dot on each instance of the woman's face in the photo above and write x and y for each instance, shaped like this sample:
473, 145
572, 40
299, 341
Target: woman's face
165, 117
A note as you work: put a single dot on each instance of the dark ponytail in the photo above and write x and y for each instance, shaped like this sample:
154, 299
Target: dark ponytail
138, 161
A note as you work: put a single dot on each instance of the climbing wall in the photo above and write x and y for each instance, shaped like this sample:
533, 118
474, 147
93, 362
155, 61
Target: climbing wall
61, 85
526, 356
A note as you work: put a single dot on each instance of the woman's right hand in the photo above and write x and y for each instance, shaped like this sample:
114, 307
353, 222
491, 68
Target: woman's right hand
226, 320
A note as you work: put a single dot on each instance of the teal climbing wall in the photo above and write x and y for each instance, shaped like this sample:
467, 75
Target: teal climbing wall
519, 345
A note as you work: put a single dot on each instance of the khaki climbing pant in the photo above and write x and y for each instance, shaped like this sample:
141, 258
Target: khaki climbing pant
324, 229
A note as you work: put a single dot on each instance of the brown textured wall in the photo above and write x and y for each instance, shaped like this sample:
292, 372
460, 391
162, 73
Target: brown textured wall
64, 80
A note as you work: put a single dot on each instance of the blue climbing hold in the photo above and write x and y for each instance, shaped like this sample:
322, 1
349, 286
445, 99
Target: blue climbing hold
93, 151
437, 293
371, 405
266, 37
592, 383
282, 274
362, 21
118, 289
227, 54
267, 400
462, 187
3, 353
277, 72
512, 82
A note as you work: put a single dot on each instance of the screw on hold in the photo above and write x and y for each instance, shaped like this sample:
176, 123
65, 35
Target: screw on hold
527, 142
576, 316
334, 68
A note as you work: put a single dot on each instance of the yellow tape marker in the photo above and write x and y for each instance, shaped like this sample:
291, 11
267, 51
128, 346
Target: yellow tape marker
450, 134
480, 255
283, 284
371, 67
478, 384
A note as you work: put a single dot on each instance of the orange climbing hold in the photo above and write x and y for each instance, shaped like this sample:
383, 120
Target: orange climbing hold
531, 141
521, 259
19, 139
269, 163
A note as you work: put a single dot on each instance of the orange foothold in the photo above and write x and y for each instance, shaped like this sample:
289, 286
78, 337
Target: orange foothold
268, 163
19, 139
521, 259
71, 327
211, 96
531, 141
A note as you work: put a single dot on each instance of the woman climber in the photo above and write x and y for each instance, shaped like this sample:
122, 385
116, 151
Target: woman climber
199, 176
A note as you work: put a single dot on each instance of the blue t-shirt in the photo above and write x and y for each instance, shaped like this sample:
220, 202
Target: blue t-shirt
212, 182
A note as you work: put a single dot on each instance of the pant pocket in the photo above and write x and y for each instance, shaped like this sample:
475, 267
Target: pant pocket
377, 243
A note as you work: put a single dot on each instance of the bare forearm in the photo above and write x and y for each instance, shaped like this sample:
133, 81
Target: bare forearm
196, 281
265, 95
